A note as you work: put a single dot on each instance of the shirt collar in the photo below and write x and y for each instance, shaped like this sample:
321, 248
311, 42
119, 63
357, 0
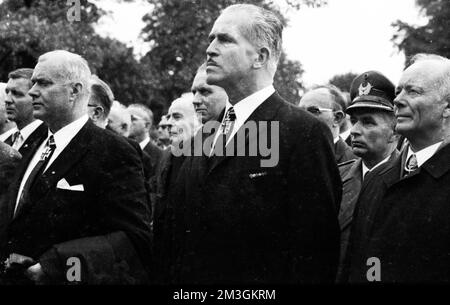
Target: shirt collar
335, 140
30, 128
144, 143
345, 134
245, 107
7, 134
424, 154
67, 133
365, 169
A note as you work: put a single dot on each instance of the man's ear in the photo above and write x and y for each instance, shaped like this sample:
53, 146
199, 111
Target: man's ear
338, 117
446, 113
262, 58
75, 91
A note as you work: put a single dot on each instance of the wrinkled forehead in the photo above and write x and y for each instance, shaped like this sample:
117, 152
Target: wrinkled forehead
317, 97
199, 79
135, 111
424, 73
232, 22
120, 115
183, 107
48, 69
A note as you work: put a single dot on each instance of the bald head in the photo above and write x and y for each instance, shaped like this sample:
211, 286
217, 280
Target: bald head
119, 119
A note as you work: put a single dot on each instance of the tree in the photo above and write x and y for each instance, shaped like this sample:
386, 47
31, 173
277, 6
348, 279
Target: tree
434, 37
343, 81
31, 28
178, 33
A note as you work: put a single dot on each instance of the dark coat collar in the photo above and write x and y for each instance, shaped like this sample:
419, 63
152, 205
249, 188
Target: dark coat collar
68, 158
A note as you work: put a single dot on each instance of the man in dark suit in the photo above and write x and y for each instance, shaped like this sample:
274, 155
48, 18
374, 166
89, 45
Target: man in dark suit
9, 159
374, 142
327, 103
209, 100
256, 217
183, 122
409, 224
80, 197
141, 124
19, 109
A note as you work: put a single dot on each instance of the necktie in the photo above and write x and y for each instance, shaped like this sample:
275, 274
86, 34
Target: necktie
226, 129
37, 170
411, 164
17, 140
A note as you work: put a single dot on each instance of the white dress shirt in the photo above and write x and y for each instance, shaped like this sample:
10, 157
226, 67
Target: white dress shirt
144, 143
7, 134
62, 139
424, 154
366, 170
244, 108
345, 134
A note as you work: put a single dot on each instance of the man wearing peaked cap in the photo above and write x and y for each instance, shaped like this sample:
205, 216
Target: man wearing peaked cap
372, 90
410, 222
374, 142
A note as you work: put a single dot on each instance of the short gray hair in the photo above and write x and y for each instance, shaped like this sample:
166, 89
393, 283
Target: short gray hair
145, 109
338, 97
266, 28
444, 79
74, 68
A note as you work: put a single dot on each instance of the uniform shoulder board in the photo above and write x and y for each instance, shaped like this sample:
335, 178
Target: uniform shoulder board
347, 163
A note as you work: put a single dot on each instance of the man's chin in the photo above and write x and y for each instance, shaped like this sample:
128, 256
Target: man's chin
403, 129
213, 78
359, 152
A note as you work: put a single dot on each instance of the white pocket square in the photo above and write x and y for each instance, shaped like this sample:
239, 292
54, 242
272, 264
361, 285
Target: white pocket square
255, 175
64, 185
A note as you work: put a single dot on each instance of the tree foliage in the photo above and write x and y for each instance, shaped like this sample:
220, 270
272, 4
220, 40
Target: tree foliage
343, 81
434, 37
176, 29
31, 28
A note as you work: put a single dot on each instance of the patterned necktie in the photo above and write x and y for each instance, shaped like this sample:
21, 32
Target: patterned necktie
228, 122
17, 140
411, 164
37, 170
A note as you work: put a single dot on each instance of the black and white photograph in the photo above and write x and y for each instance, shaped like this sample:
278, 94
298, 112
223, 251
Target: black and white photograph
222, 151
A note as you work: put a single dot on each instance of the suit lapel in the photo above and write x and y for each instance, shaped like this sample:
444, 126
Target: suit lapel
264, 112
36, 136
68, 158
339, 148
24, 162
353, 179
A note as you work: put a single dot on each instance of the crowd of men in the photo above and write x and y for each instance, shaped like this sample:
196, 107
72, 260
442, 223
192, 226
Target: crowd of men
357, 190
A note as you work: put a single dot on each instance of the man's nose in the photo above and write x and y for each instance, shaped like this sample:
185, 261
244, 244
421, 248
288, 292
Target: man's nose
8, 99
33, 92
355, 129
211, 50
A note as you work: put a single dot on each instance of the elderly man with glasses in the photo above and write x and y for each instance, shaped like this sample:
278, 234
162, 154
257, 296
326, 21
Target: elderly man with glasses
327, 103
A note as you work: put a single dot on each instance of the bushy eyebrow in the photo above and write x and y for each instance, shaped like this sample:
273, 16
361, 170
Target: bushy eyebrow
221, 37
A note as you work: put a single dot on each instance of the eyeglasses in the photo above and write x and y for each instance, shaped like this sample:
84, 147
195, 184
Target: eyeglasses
318, 110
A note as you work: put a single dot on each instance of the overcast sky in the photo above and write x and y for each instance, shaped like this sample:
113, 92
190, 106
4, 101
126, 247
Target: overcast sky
345, 35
